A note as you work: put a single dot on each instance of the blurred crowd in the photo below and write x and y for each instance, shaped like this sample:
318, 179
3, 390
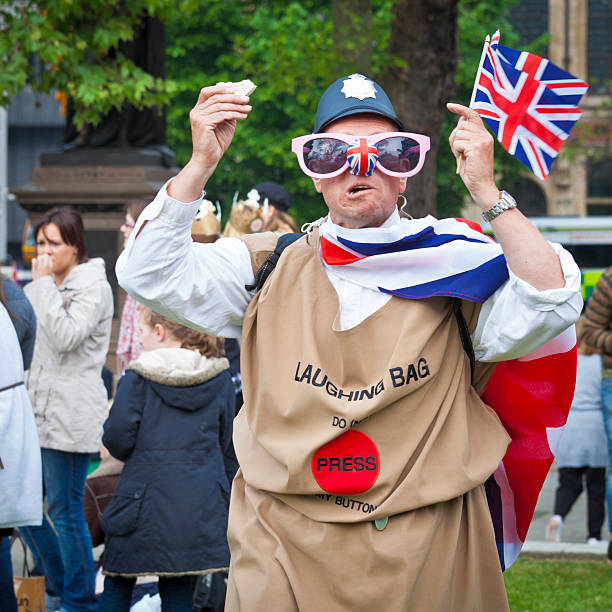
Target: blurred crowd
161, 425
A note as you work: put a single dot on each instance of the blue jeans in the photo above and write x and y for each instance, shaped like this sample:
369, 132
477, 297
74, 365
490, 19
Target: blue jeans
175, 594
606, 406
8, 603
63, 553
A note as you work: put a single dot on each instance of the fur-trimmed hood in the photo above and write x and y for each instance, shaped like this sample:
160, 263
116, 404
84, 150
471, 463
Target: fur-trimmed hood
178, 375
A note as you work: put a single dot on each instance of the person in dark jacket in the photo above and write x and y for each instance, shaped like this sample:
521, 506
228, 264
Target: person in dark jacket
17, 429
24, 319
171, 422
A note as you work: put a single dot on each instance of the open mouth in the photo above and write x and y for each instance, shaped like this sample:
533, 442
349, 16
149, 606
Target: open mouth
358, 189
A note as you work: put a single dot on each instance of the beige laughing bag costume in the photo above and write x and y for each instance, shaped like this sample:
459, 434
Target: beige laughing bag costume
363, 446
422, 450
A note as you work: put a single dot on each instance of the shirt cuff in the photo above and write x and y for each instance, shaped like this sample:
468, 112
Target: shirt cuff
549, 299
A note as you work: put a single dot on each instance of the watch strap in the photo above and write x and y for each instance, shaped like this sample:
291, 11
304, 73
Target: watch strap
505, 203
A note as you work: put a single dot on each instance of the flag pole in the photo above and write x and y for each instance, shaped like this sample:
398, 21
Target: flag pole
485, 47
482, 56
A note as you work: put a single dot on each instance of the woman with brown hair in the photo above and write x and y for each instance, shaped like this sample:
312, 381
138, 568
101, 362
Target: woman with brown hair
74, 307
171, 422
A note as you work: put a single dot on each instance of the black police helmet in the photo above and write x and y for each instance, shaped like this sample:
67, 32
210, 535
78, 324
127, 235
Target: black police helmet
351, 95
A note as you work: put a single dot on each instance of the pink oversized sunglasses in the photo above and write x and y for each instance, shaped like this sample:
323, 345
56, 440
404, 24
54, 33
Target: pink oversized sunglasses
326, 155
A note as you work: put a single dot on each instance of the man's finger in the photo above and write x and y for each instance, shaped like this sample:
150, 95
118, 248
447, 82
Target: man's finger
222, 117
469, 114
211, 90
205, 93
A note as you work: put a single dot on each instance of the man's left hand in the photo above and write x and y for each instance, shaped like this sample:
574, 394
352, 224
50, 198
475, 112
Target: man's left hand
471, 142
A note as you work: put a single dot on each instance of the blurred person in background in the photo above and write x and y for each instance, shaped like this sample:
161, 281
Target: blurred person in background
24, 319
128, 343
73, 303
276, 219
598, 335
582, 452
20, 471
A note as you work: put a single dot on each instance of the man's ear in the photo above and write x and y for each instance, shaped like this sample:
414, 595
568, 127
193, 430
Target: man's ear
317, 184
402, 185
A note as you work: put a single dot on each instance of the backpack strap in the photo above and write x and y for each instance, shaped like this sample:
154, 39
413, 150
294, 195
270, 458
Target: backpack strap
464, 333
268, 266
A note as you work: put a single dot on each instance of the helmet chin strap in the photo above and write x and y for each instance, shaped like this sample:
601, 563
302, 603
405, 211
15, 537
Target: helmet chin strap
361, 157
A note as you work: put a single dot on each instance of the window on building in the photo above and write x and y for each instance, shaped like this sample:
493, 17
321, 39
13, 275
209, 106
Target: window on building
530, 20
599, 46
599, 178
530, 197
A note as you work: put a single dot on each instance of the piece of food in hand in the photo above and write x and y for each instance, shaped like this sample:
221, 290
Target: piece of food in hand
242, 88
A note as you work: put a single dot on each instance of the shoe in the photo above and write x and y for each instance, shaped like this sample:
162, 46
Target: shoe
553, 529
594, 541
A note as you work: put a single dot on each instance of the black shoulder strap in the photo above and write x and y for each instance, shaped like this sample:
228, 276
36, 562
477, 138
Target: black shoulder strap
268, 266
464, 332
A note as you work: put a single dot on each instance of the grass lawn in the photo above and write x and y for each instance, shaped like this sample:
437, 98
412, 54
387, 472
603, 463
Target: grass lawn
559, 586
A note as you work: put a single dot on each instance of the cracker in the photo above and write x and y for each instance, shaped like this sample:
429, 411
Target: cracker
242, 88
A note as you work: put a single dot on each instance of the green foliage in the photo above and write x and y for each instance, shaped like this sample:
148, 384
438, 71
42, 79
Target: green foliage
559, 586
70, 46
286, 47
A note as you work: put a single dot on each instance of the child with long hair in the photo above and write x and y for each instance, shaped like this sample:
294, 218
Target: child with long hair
171, 422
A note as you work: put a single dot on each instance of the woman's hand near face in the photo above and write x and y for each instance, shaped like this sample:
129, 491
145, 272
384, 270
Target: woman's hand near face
42, 266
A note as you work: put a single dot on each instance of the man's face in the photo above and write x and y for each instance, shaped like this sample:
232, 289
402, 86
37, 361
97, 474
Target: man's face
361, 201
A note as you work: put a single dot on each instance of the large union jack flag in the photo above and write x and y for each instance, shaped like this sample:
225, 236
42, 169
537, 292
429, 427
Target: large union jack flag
528, 102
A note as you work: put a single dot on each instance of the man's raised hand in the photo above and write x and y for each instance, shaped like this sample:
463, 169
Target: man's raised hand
471, 140
213, 123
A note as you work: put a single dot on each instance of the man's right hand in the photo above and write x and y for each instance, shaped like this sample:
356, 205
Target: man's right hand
213, 123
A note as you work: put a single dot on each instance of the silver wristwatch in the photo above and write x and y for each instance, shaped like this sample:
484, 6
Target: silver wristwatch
506, 203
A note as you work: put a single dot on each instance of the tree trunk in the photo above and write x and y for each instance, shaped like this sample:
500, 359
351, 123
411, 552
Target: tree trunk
352, 34
424, 35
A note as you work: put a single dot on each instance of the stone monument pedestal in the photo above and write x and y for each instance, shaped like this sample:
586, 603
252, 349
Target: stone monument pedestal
98, 182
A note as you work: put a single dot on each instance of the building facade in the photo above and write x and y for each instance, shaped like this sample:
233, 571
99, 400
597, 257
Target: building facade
580, 182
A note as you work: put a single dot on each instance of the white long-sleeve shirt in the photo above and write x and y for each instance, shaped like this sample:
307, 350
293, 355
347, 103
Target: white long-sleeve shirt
203, 285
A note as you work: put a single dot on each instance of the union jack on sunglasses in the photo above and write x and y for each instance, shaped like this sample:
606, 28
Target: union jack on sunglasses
329, 154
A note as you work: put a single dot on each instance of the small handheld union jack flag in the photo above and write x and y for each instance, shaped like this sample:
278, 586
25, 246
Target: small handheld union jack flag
362, 157
528, 102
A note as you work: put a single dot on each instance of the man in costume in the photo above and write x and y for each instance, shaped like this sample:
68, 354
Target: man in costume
363, 443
